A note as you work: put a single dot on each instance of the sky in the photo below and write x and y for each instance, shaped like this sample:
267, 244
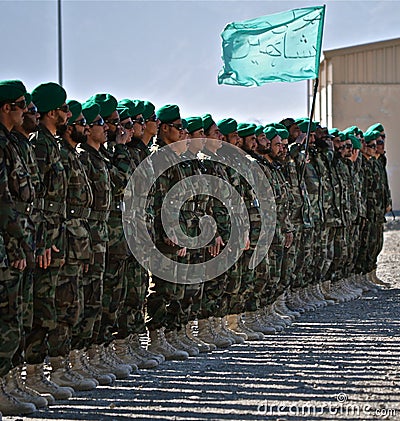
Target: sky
168, 51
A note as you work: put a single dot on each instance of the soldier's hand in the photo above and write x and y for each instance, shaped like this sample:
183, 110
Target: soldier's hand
182, 252
288, 239
388, 209
45, 259
86, 268
19, 264
247, 245
216, 248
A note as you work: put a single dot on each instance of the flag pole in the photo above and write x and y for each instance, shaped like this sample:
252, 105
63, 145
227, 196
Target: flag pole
306, 147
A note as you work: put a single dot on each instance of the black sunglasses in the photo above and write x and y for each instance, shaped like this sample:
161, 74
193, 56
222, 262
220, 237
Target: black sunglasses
371, 146
114, 121
152, 118
64, 108
20, 104
99, 122
349, 146
82, 122
380, 142
32, 110
176, 126
128, 125
139, 120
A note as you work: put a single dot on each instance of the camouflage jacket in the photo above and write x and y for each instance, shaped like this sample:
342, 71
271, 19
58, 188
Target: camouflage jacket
17, 195
79, 202
54, 180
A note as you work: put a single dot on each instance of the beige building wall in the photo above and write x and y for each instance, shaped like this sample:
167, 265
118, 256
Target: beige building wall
361, 85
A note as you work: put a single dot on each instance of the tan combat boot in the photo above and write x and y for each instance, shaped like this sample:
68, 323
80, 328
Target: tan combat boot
192, 349
209, 335
87, 368
232, 321
238, 339
37, 380
134, 343
159, 345
14, 385
201, 345
64, 376
374, 278
9, 405
252, 335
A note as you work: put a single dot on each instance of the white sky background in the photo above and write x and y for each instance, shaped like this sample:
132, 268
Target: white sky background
168, 51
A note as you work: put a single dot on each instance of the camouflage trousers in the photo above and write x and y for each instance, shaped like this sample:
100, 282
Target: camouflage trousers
336, 270
213, 292
10, 317
231, 302
114, 292
353, 234
69, 301
44, 312
375, 245
27, 313
85, 332
303, 246
130, 315
254, 291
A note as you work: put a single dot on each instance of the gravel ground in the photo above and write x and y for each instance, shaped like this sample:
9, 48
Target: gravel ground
340, 362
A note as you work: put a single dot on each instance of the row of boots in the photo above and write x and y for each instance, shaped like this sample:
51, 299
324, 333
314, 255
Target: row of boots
26, 389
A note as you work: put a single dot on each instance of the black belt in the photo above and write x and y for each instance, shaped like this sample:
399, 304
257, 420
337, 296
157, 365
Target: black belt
25, 208
54, 207
78, 212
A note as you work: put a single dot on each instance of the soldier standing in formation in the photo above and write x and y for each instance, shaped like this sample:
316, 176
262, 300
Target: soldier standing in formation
77, 305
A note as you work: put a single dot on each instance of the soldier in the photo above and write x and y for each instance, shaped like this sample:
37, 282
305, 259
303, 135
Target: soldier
17, 195
131, 319
69, 294
50, 100
163, 300
97, 168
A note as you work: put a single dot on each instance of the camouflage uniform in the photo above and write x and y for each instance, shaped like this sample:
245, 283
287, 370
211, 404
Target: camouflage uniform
120, 167
16, 199
164, 297
213, 290
131, 318
100, 181
34, 231
54, 178
69, 293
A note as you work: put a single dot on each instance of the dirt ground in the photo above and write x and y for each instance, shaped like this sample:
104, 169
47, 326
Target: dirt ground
341, 362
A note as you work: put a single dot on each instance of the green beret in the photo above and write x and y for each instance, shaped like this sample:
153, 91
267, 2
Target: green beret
270, 132
90, 110
123, 112
108, 103
184, 124
227, 126
360, 133
246, 129
303, 125
207, 121
135, 106
279, 126
148, 109
342, 136
283, 133
369, 136
76, 108
10, 90
48, 96
259, 129
28, 98
194, 123
352, 129
334, 132
354, 141
168, 113
377, 126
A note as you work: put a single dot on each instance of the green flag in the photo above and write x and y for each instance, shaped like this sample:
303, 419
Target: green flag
284, 47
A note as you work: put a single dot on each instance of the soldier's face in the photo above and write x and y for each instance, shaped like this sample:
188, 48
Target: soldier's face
380, 144
62, 116
139, 126
347, 151
31, 119
234, 139
276, 147
294, 131
151, 126
250, 142
17, 113
174, 131
214, 133
197, 141
285, 146
370, 148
